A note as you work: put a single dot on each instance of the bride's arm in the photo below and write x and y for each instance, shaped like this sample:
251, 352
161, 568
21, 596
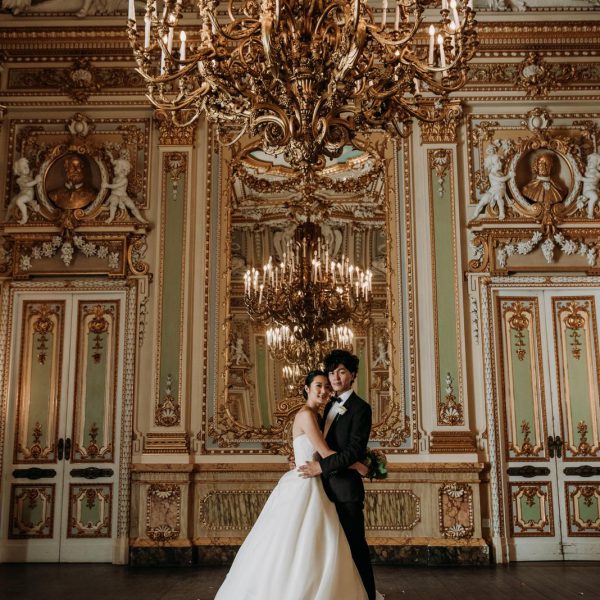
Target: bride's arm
310, 427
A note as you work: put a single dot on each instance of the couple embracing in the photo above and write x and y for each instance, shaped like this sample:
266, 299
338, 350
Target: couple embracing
308, 542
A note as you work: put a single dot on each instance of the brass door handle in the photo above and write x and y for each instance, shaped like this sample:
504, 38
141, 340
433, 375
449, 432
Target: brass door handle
68, 449
558, 446
555, 445
61, 447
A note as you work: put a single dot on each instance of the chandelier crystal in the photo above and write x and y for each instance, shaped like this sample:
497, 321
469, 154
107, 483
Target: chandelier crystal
305, 75
308, 300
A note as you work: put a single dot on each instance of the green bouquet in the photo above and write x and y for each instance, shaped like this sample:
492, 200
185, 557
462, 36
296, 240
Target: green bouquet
376, 462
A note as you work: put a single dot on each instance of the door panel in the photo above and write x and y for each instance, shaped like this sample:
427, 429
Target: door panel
95, 381
549, 395
576, 343
66, 376
39, 382
523, 380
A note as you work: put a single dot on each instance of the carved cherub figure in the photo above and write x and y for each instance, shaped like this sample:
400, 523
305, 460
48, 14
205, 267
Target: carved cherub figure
381, 360
496, 194
26, 195
591, 184
238, 354
118, 197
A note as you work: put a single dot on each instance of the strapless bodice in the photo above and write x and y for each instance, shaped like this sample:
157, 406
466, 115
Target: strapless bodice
303, 449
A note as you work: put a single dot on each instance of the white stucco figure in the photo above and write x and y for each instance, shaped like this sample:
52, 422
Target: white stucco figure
496, 194
26, 195
239, 357
382, 359
591, 184
118, 197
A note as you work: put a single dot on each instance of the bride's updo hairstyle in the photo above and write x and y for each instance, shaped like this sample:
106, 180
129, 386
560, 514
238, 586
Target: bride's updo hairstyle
309, 379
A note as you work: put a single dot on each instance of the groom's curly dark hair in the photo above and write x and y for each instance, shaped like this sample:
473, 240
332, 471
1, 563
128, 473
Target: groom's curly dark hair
341, 357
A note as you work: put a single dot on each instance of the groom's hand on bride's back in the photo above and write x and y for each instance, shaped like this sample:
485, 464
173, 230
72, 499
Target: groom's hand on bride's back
310, 469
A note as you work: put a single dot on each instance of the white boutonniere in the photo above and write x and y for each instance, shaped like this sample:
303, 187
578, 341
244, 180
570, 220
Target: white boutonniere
342, 410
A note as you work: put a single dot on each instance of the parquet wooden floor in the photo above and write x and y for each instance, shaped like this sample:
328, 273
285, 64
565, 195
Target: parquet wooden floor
518, 581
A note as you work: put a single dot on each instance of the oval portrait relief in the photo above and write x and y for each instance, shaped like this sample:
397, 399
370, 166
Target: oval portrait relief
71, 181
544, 177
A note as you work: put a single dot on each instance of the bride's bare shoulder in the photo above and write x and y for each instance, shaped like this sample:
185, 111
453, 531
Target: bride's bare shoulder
302, 419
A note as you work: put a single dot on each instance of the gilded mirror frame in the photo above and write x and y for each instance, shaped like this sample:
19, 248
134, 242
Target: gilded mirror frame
232, 365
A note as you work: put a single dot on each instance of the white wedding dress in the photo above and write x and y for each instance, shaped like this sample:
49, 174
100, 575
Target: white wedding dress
297, 549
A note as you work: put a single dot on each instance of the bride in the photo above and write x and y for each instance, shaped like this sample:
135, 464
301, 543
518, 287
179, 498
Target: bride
297, 549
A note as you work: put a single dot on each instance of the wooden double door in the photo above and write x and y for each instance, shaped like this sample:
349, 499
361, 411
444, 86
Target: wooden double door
548, 374
62, 437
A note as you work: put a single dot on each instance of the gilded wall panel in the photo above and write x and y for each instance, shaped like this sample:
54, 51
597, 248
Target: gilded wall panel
534, 180
32, 511
172, 281
576, 351
163, 512
531, 509
97, 355
74, 190
456, 510
90, 509
449, 387
583, 508
160, 513
522, 379
39, 382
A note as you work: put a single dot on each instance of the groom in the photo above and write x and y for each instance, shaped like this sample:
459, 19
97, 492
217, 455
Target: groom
347, 425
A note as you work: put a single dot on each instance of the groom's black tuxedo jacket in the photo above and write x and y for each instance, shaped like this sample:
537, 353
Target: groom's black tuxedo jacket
348, 436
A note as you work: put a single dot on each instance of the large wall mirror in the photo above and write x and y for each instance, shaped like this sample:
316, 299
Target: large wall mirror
261, 202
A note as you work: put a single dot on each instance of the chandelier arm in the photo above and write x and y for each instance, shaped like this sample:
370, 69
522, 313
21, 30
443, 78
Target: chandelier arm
227, 32
385, 41
356, 14
236, 138
357, 47
265, 37
422, 114
446, 88
184, 123
329, 8
280, 118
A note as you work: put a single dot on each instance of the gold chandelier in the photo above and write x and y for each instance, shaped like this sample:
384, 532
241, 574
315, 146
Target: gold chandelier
308, 300
306, 75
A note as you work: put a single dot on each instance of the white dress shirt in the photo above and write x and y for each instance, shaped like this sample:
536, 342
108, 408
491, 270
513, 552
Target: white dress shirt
334, 411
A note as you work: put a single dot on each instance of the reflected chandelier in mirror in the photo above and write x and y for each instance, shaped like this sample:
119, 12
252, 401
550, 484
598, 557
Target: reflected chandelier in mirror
254, 399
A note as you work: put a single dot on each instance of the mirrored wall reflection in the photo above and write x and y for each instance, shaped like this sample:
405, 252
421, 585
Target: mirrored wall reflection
267, 203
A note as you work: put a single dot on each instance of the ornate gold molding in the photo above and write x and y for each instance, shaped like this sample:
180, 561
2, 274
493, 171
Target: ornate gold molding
171, 135
166, 443
452, 442
443, 131
163, 512
538, 78
455, 509
536, 187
